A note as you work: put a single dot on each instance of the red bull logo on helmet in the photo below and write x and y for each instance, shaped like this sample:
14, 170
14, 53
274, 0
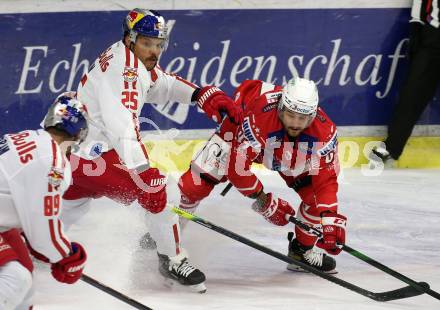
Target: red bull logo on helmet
133, 18
132, 15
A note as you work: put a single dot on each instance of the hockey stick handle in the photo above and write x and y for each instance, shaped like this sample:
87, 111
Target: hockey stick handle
400, 293
368, 260
114, 293
226, 189
304, 226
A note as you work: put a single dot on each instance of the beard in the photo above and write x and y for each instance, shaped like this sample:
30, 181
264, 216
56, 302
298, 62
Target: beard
150, 63
294, 131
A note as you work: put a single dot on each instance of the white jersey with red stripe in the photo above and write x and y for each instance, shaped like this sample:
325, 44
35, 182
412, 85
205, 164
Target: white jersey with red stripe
33, 176
115, 90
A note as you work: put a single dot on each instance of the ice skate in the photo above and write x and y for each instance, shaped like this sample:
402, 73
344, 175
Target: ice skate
311, 256
380, 155
178, 269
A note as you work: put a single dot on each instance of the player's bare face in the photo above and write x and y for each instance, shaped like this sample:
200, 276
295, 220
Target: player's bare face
148, 50
294, 123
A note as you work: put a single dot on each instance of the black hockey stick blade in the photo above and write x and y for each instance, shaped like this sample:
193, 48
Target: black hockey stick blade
400, 293
135, 304
418, 286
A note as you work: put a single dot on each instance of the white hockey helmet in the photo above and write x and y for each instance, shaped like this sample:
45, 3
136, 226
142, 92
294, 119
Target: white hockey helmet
300, 96
145, 22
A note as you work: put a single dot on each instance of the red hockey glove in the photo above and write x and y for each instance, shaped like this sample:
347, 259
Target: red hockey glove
70, 268
154, 197
333, 232
213, 101
273, 209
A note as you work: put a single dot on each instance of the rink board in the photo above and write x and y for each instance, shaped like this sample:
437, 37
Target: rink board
356, 56
420, 152
358, 75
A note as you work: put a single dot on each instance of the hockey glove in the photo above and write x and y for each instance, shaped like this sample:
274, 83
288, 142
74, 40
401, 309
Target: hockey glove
273, 209
70, 268
213, 101
333, 232
154, 197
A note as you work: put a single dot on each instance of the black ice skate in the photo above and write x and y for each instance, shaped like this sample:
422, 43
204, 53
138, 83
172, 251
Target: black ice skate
179, 269
311, 256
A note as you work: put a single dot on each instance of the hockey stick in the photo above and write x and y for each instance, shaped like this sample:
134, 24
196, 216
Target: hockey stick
421, 288
400, 293
114, 293
226, 189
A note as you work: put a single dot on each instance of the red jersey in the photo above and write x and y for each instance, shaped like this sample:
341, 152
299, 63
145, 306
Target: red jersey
308, 163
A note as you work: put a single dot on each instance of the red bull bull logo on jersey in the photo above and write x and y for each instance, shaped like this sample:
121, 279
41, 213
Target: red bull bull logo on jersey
130, 74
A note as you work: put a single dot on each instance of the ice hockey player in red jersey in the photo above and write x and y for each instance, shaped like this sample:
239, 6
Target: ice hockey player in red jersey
286, 131
34, 173
113, 162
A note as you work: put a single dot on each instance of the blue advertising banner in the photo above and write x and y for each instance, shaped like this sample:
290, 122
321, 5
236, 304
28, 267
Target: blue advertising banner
357, 57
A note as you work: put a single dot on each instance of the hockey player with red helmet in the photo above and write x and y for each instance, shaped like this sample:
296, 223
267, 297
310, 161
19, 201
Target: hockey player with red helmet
113, 161
286, 131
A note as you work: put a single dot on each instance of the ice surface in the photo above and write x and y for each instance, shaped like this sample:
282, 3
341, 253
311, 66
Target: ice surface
393, 218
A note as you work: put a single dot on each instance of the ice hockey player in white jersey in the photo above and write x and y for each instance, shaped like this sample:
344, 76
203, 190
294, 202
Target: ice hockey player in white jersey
119, 82
34, 173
